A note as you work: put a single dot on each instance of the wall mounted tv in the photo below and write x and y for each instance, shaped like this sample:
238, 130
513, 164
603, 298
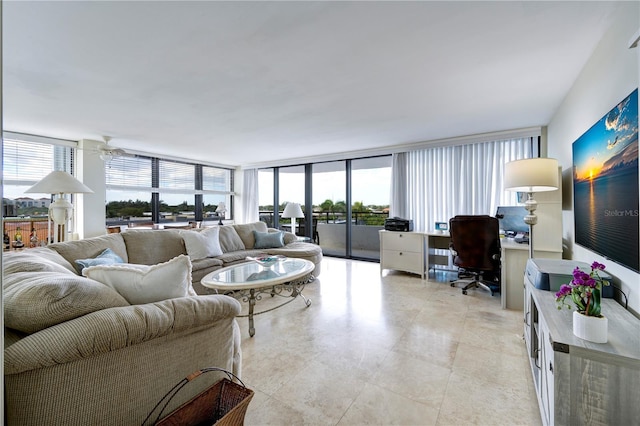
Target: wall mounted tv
605, 185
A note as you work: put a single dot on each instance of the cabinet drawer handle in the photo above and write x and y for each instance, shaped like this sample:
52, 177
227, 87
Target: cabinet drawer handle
551, 367
537, 358
400, 253
526, 319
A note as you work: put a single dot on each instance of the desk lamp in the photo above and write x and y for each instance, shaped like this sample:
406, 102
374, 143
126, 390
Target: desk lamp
220, 211
292, 211
60, 210
531, 175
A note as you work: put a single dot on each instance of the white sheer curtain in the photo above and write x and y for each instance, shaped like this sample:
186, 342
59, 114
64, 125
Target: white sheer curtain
399, 179
250, 202
446, 181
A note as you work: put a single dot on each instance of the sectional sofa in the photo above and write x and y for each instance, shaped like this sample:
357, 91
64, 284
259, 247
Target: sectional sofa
78, 351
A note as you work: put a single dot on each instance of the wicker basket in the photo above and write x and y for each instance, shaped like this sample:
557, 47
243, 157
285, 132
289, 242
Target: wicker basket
223, 404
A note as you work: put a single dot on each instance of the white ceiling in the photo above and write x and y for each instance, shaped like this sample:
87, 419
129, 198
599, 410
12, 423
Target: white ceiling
250, 82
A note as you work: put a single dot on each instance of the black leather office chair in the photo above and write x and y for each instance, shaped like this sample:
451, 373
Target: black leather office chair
475, 244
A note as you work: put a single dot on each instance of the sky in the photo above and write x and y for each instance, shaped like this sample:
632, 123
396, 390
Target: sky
370, 186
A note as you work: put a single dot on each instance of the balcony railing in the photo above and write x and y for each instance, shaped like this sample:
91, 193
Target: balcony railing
23, 228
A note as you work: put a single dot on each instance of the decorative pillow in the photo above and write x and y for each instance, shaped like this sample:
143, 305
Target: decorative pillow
140, 284
107, 257
245, 232
268, 239
230, 240
205, 243
34, 301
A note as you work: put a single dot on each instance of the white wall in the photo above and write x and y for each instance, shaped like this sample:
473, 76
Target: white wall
611, 73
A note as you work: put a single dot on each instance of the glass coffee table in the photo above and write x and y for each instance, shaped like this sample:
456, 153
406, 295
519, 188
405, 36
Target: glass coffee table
250, 281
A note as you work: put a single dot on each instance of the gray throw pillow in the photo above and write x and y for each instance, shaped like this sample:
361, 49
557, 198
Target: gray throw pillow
268, 239
107, 257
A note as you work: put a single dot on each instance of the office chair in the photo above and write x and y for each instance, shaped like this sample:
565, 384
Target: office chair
475, 245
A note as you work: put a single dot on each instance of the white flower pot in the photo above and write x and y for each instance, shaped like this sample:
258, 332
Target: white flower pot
593, 329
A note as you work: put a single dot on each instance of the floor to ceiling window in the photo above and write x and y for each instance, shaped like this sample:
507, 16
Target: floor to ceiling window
349, 200
370, 195
330, 207
291, 190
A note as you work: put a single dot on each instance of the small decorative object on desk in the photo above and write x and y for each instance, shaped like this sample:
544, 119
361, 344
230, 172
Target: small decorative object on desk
585, 290
267, 261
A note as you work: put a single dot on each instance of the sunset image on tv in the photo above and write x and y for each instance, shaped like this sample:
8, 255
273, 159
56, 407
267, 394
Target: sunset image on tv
605, 185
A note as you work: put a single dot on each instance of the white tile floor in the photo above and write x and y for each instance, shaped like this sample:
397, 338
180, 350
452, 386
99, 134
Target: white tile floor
387, 349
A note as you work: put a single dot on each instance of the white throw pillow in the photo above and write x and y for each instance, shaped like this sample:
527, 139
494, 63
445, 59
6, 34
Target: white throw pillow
140, 284
205, 243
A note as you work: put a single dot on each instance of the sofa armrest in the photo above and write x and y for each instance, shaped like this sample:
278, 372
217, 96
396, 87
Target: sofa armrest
116, 328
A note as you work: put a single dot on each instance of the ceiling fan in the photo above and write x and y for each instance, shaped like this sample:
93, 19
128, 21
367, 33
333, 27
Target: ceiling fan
108, 153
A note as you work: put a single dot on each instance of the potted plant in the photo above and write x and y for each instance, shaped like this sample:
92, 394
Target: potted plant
585, 290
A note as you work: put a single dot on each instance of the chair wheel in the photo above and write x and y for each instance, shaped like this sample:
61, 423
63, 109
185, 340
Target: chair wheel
452, 285
464, 291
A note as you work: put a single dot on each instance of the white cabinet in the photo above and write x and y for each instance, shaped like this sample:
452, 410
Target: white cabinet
578, 382
403, 251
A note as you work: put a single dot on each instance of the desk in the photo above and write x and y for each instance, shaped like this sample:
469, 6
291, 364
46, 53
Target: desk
438, 252
514, 260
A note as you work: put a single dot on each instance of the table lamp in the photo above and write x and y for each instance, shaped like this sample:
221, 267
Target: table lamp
531, 175
60, 210
220, 211
292, 211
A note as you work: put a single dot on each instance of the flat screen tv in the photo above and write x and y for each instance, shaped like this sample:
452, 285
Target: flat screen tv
605, 185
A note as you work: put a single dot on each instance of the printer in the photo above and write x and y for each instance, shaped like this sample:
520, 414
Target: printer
398, 224
550, 274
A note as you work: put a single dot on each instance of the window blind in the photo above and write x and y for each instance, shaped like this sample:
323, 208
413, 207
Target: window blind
25, 163
129, 173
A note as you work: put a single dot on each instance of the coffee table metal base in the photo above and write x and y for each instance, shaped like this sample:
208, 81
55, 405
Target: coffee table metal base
289, 290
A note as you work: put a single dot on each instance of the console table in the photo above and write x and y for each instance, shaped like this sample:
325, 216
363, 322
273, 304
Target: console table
578, 382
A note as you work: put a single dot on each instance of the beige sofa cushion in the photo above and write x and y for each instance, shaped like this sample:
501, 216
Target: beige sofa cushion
39, 259
91, 247
34, 301
245, 231
229, 239
149, 247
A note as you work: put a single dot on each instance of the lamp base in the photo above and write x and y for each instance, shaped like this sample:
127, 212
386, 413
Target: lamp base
60, 211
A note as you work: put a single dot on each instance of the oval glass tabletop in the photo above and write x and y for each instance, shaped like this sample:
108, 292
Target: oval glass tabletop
253, 275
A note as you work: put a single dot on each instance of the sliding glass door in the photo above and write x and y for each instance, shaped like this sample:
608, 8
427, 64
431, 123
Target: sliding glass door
347, 202
329, 206
370, 194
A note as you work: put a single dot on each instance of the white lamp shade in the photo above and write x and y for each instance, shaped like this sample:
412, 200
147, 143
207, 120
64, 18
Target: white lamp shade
221, 207
292, 210
59, 182
531, 175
